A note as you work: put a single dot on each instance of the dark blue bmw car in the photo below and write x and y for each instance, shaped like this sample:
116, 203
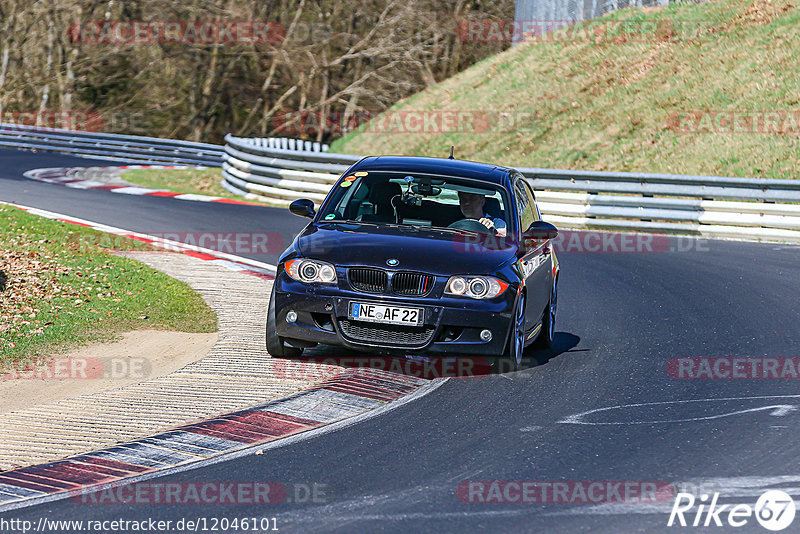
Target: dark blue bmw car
419, 255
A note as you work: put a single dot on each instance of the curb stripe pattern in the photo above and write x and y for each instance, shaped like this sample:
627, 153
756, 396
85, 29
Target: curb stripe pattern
60, 176
352, 392
349, 393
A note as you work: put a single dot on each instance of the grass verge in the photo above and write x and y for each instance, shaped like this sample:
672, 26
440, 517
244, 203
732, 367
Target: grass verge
193, 181
61, 287
640, 101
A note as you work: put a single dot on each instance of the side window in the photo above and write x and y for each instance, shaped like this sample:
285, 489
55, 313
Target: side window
354, 198
532, 199
525, 207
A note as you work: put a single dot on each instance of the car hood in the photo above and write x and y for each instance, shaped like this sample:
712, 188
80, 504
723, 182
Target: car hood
432, 250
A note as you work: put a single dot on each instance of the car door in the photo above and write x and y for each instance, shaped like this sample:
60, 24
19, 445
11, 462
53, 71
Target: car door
535, 260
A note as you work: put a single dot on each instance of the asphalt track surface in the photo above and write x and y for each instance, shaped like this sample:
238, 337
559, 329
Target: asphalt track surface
147, 214
622, 316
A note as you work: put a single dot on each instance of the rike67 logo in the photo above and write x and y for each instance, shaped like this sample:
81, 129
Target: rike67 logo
774, 510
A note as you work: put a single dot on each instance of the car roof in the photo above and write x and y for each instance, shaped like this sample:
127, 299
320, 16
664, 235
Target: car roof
486, 172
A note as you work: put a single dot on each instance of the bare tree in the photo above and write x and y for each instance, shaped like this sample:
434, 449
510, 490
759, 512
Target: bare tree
330, 58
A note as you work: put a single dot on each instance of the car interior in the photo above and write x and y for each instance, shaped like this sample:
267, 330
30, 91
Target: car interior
384, 202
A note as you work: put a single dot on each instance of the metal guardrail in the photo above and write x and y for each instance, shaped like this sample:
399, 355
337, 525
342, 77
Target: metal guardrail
282, 170
127, 148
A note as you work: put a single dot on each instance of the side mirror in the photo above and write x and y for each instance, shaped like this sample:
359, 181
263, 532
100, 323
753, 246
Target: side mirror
302, 207
539, 231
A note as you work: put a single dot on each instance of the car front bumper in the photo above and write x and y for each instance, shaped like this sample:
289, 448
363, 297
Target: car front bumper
452, 325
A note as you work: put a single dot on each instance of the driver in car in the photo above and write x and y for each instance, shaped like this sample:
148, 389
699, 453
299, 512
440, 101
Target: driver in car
472, 205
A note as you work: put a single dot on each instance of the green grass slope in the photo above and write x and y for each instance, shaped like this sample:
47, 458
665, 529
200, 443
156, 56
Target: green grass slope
61, 287
645, 103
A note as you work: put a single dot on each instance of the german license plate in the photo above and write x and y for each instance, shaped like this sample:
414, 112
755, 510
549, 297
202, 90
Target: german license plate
379, 313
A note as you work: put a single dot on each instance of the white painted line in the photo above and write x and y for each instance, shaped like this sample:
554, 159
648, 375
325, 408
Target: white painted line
173, 445
128, 459
135, 190
201, 198
322, 406
19, 492
58, 175
346, 400
86, 184
157, 241
229, 265
200, 440
154, 453
777, 410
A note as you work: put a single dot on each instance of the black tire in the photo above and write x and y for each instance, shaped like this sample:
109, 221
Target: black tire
275, 344
545, 338
511, 359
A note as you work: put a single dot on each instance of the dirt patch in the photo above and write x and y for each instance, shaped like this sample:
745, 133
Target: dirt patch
762, 12
27, 278
138, 356
236, 373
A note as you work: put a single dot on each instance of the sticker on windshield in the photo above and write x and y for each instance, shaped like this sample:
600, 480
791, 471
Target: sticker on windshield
330, 216
346, 184
361, 173
351, 178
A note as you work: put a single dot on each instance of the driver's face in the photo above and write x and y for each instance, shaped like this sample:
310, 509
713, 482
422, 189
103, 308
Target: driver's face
471, 204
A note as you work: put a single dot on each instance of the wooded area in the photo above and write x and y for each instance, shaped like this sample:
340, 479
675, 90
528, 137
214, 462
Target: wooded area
180, 77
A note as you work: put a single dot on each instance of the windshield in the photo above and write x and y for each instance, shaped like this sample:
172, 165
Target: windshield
418, 200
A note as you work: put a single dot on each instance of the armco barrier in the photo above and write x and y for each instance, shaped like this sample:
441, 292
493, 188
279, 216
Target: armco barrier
127, 148
282, 170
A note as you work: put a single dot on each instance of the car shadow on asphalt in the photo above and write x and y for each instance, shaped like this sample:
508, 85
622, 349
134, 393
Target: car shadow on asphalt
434, 366
562, 342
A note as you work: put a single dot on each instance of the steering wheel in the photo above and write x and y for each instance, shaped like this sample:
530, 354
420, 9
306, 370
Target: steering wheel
472, 225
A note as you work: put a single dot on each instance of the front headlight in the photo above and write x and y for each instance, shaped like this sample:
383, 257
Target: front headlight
476, 287
309, 271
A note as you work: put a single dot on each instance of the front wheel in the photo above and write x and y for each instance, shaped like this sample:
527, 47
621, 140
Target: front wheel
275, 344
512, 358
548, 331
